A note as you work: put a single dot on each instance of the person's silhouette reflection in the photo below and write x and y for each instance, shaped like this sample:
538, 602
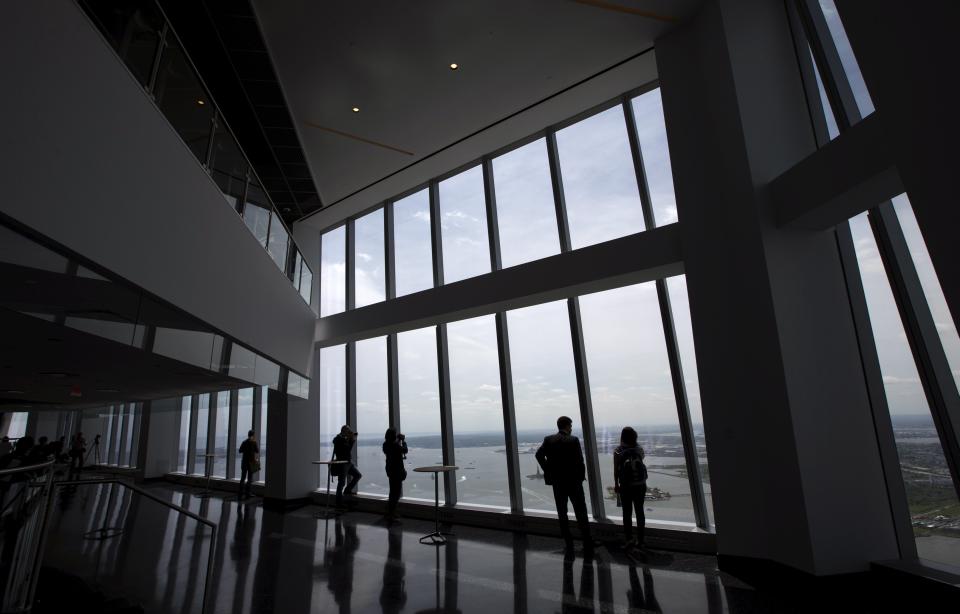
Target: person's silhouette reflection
643, 598
570, 602
340, 563
393, 593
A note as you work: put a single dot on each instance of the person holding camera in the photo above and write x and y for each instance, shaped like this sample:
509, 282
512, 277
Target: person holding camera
395, 450
343, 450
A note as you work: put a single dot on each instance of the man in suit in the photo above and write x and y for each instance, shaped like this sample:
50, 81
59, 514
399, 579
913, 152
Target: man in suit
561, 459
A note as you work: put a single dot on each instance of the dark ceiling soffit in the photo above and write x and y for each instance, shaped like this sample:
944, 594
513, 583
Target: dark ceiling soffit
637, 258
480, 130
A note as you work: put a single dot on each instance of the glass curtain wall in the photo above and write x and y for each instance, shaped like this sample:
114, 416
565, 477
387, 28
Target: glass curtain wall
477, 412
333, 272
419, 391
333, 396
368, 260
262, 437
183, 445
200, 441
220, 433
463, 226
411, 237
373, 416
244, 424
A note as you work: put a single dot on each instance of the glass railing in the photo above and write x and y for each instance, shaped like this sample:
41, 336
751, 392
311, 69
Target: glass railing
24, 493
110, 538
143, 38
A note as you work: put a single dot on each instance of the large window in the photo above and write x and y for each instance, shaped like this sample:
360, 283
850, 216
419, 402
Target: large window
244, 424
200, 443
420, 408
463, 225
333, 396
526, 216
183, 446
599, 181
630, 385
411, 237
262, 436
847, 59
373, 417
477, 412
220, 434
279, 244
652, 135
930, 493
544, 388
333, 272
368, 261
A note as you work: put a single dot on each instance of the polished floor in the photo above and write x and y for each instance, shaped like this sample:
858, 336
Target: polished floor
268, 561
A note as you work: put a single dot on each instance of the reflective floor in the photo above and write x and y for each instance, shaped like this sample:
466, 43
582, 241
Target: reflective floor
267, 561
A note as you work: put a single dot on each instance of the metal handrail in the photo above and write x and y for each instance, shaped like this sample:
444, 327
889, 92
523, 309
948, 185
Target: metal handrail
205, 607
26, 468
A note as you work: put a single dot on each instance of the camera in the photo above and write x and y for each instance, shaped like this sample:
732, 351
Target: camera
401, 436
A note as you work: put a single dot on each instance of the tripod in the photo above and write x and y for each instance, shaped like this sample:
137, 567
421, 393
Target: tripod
95, 450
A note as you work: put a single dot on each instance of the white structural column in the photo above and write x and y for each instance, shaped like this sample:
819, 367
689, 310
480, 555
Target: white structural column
795, 466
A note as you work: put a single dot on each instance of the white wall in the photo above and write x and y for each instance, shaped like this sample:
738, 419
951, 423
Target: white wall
91, 163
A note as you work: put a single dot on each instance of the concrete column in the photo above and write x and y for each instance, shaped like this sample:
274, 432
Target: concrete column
159, 438
292, 442
795, 466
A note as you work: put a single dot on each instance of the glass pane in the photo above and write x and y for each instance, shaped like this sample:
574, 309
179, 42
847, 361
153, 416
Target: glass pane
203, 417
18, 425
333, 272
118, 439
256, 213
847, 59
680, 305
279, 242
368, 262
477, 412
183, 447
652, 133
110, 444
599, 183
931, 284
373, 417
244, 424
183, 100
129, 460
220, 435
412, 243
333, 397
526, 216
930, 493
261, 436
227, 164
420, 409
630, 385
463, 226
832, 130
544, 388
306, 283
133, 29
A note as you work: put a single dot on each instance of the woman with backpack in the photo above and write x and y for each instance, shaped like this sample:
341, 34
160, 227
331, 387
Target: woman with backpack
630, 482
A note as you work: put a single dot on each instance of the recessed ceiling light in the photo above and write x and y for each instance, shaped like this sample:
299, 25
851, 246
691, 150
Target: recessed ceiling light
201, 102
355, 109
454, 66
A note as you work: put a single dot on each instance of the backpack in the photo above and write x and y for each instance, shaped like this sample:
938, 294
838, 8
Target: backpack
633, 472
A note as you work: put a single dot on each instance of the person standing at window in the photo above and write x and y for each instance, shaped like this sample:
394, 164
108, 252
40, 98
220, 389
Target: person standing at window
395, 450
561, 458
249, 463
630, 482
343, 450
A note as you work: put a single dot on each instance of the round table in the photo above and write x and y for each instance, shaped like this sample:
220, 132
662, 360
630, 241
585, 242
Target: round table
436, 538
208, 471
326, 510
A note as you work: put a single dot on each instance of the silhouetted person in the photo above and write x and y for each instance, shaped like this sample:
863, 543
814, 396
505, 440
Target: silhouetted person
630, 481
56, 448
393, 591
78, 450
249, 460
561, 458
395, 450
343, 450
40, 452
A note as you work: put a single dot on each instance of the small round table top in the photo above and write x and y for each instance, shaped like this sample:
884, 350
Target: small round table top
436, 468
329, 462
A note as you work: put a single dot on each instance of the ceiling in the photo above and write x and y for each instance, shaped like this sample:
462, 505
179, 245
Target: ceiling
391, 60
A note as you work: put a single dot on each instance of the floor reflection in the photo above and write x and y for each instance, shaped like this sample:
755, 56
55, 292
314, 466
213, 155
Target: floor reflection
266, 561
